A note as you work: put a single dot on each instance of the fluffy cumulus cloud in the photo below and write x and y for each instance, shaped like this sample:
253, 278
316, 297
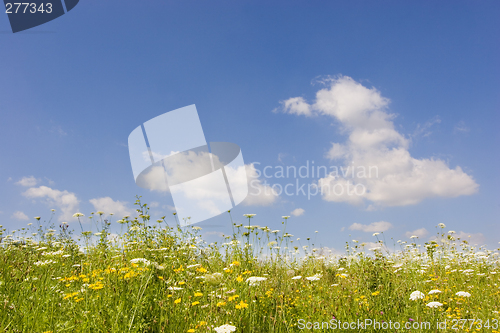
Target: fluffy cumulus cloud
372, 227
67, 202
420, 233
297, 212
18, 215
108, 206
375, 156
28, 181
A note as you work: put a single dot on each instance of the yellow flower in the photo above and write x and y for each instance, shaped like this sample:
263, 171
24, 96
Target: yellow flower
198, 294
195, 303
231, 298
236, 263
242, 305
177, 301
201, 270
219, 304
376, 293
239, 278
191, 330
181, 283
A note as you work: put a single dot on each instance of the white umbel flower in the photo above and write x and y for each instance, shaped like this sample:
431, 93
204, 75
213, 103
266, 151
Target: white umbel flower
416, 295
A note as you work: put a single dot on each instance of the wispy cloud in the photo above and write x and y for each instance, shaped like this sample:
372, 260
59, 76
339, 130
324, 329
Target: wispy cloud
372, 227
460, 127
108, 206
28, 181
420, 233
18, 215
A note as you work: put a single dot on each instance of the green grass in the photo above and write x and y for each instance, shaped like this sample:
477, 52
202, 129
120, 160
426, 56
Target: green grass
48, 285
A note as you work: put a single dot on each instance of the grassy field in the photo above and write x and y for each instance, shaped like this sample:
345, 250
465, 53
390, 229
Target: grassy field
159, 278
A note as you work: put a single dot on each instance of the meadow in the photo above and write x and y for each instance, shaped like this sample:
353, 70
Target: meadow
155, 276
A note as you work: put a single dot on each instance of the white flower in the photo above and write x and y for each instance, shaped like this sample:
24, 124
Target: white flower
174, 288
397, 266
275, 231
144, 261
285, 217
468, 271
78, 215
434, 304
196, 228
376, 234
249, 215
225, 328
463, 294
191, 266
254, 280
334, 285
134, 228
434, 291
297, 277
451, 232
315, 277
416, 295
414, 236
442, 225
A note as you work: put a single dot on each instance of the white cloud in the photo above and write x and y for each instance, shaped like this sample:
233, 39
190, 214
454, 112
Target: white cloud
108, 205
477, 238
420, 233
460, 127
28, 181
154, 204
66, 201
398, 179
18, 215
259, 194
298, 106
372, 227
424, 130
297, 212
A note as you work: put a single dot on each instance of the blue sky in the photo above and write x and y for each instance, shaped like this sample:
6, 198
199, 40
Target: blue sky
72, 90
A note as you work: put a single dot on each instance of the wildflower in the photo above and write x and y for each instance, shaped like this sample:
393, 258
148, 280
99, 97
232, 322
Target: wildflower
249, 215
434, 304
254, 280
442, 225
285, 217
144, 261
463, 294
435, 291
376, 293
414, 236
196, 228
198, 294
134, 228
37, 218
225, 328
242, 305
177, 301
239, 278
297, 277
315, 277
416, 295
75, 215
195, 303
195, 265
376, 234
451, 232
174, 288
275, 231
